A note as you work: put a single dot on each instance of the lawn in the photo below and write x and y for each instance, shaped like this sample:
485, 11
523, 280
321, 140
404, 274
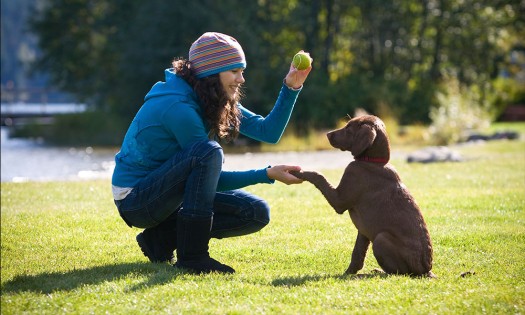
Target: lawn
64, 250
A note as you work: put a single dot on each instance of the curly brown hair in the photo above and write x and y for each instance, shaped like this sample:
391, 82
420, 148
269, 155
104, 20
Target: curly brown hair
221, 112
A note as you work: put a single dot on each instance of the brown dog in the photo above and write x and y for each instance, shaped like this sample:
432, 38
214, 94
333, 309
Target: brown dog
380, 206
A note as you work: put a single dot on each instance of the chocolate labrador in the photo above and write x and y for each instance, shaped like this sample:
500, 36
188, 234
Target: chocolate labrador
380, 206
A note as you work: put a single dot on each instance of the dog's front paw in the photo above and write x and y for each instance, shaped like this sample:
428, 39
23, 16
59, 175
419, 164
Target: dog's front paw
297, 174
306, 175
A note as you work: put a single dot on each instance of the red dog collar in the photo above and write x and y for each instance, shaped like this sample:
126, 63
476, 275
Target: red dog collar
372, 159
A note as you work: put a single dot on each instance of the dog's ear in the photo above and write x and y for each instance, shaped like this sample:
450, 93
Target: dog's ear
363, 138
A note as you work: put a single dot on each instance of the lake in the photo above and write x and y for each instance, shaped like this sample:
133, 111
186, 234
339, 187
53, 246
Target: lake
32, 160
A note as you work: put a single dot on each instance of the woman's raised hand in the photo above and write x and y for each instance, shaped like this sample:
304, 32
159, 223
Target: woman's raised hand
295, 78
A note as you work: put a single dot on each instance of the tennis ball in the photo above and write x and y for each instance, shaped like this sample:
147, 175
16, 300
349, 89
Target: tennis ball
301, 60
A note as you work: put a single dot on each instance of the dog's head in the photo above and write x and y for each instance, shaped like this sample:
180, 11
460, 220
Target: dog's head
362, 136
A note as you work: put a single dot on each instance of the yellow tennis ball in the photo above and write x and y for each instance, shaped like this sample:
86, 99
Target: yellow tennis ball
301, 60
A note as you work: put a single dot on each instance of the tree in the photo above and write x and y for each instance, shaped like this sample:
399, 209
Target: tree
372, 54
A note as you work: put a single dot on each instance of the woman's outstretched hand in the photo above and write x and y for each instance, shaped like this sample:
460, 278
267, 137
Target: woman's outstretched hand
281, 173
295, 78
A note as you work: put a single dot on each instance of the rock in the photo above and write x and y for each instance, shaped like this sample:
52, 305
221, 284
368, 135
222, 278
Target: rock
434, 154
500, 135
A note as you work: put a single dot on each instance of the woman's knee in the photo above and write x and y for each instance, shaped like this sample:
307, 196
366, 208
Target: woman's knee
261, 212
210, 150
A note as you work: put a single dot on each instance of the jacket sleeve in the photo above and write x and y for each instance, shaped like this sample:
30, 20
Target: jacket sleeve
270, 128
230, 180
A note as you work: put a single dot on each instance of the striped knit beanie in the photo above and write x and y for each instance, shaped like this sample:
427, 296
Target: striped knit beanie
215, 52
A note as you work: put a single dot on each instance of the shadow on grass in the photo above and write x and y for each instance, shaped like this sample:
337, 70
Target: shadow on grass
157, 274
300, 280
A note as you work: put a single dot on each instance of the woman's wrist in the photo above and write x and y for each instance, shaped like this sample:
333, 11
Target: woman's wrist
268, 171
291, 87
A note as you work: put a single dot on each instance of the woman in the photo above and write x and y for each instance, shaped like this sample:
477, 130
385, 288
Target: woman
168, 176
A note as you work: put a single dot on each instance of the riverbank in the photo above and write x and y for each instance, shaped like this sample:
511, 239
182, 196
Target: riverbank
31, 160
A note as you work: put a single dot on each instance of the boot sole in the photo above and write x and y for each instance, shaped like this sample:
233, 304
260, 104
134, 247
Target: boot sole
141, 240
200, 268
144, 247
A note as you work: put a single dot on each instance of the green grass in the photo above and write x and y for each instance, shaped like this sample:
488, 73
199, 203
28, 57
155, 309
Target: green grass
64, 250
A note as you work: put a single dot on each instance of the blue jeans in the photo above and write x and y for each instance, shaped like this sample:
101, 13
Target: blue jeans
187, 184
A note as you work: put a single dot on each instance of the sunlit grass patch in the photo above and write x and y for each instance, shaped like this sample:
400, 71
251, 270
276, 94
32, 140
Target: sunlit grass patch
65, 250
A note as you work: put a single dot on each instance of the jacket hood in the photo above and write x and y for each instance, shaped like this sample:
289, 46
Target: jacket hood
174, 85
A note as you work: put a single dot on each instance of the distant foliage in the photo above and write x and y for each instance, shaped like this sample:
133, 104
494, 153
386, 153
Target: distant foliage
366, 53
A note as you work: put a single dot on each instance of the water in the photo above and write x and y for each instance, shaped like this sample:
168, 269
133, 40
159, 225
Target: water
31, 160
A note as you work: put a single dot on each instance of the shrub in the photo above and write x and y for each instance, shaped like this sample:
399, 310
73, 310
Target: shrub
460, 109
92, 128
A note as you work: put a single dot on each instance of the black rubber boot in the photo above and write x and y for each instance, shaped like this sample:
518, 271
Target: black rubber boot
159, 242
193, 235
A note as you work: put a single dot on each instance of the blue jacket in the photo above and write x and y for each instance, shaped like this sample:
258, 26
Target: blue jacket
170, 120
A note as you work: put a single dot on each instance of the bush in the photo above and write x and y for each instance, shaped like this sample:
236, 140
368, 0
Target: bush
506, 92
92, 128
460, 109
